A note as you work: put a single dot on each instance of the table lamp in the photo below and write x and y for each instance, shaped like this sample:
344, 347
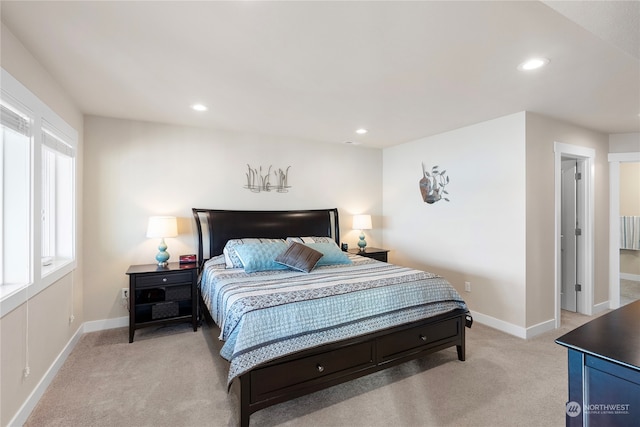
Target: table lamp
362, 222
162, 226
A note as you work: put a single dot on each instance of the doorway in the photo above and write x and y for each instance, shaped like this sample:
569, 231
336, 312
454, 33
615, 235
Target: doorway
614, 223
574, 229
569, 236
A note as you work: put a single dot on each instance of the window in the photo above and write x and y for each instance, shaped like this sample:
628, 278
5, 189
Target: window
57, 209
38, 203
16, 190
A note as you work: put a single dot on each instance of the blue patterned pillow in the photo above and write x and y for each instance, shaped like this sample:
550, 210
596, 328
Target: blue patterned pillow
261, 256
331, 254
229, 251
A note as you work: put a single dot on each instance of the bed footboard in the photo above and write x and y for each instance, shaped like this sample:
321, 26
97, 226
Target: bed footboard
308, 371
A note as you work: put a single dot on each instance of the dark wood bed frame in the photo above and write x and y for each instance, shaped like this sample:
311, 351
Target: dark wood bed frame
314, 369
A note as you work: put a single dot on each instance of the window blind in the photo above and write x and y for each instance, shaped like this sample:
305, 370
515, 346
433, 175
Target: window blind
14, 120
49, 139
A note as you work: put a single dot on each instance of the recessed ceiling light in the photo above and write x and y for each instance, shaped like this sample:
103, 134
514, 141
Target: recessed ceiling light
199, 107
361, 131
533, 64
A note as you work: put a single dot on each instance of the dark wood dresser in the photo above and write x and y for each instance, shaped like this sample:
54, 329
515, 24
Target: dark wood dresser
604, 370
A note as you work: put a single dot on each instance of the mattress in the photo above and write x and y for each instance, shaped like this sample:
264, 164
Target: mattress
269, 314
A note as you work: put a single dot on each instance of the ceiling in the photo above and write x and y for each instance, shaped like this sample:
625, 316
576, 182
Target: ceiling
320, 70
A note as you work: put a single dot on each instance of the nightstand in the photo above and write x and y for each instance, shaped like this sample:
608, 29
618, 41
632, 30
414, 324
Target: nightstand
375, 253
162, 295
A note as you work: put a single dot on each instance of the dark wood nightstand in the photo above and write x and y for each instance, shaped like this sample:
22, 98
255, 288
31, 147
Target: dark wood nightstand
161, 295
375, 253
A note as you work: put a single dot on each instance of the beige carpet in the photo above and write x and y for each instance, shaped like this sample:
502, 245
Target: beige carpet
175, 377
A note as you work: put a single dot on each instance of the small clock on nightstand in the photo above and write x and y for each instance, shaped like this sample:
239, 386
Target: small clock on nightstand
375, 253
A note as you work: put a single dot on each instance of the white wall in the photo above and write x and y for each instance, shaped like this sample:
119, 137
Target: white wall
479, 236
624, 142
542, 132
47, 313
138, 169
498, 230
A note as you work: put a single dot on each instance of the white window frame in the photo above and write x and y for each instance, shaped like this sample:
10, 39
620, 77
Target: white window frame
11, 296
57, 231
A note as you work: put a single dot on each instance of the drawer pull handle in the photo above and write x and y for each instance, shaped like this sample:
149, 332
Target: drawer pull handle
423, 338
320, 367
164, 279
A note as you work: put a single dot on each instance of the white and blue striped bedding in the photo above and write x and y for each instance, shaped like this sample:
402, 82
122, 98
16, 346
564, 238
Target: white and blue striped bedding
269, 314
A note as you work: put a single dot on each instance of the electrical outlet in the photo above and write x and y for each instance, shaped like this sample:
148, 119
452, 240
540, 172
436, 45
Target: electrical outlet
467, 286
125, 293
26, 372
71, 319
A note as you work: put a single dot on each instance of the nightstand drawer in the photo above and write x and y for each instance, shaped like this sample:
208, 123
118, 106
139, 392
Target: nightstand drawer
163, 279
397, 345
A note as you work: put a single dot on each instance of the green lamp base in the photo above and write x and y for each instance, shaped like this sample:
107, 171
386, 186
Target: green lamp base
362, 243
163, 256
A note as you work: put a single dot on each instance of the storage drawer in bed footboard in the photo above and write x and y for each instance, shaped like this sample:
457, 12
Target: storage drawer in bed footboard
273, 380
417, 339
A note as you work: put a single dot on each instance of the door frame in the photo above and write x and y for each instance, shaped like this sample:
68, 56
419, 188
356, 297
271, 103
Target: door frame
614, 223
586, 160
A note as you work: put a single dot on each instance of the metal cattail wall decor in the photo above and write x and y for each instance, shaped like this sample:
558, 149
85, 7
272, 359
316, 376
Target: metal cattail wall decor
258, 182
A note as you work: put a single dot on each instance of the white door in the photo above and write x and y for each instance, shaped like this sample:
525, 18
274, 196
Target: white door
568, 245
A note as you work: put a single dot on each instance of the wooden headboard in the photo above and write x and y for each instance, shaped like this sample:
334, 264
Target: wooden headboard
216, 227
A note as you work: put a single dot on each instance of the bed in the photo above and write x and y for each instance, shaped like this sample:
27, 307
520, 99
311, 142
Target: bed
293, 327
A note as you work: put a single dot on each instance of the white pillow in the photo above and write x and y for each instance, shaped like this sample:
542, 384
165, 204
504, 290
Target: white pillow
310, 239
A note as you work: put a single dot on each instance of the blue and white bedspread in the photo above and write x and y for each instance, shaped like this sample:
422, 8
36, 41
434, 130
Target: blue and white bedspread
266, 315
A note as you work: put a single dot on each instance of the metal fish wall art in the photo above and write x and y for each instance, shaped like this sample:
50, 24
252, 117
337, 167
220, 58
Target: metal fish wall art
432, 185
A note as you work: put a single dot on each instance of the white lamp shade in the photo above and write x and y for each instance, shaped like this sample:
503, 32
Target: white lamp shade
362, 222
162, 226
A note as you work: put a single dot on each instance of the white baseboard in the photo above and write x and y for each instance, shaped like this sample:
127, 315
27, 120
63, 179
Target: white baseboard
25, 410
97, 325
629, 276
600, 307
540, 328
500, 325
511, 329
101, 325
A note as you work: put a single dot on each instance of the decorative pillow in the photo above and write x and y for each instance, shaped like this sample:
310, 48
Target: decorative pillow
331, 254
261, 256
299, 257
229, 251
216, 262
310, 239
